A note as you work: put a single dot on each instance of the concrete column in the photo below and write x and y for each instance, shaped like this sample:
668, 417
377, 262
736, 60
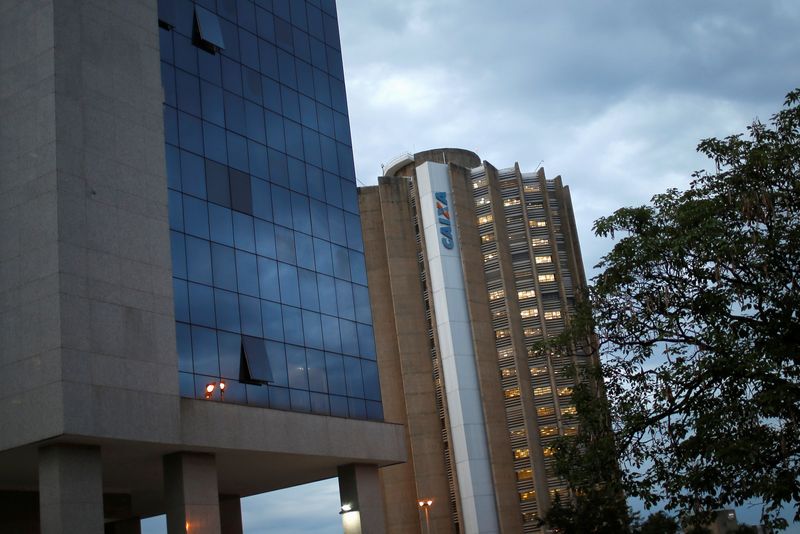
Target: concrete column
70, 489
125, 526
360, 493
190, 488
230, 511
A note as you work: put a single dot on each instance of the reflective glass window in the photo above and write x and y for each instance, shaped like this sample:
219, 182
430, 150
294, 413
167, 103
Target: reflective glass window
265, 239
220, 224
198, 260
201, 305
184, 345
287, 275
292, 325
330, 333
226, 305
250, 311
312, 330
272, 320
352, 374
243, 232
204, 351
296, 364
224, 264
277, 363
180, 292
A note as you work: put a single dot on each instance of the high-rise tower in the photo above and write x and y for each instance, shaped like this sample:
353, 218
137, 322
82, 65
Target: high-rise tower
178, 173
468, 267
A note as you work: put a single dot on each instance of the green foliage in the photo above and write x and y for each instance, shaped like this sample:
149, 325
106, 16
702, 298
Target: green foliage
696, 308
696, 312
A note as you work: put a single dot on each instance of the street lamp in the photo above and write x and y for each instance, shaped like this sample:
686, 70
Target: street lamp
425, 505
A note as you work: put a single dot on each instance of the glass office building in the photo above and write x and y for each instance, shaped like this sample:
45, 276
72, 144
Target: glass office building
269, 276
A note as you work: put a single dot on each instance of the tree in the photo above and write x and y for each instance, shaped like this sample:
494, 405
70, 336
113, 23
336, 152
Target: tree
588, 463
659, 523
696, 309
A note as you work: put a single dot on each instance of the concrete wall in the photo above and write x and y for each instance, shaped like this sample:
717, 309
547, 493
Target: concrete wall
86, 320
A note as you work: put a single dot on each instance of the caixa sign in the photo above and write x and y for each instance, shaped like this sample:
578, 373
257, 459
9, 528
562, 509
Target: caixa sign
443, 216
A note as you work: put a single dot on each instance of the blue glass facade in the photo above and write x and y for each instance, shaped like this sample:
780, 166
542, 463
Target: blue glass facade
265, 230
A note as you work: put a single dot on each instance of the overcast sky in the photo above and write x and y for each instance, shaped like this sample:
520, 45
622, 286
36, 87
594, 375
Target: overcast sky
612, 95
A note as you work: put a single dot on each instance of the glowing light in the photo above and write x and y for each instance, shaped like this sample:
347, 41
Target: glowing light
424, 503
347, 507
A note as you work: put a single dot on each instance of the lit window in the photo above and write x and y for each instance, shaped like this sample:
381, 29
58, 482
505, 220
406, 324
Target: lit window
548, 430
569, 410
487, 238
535, 206
511, 393
527, 496
545, 390
527, 517
570, 430
539, 242
521, 454
508, 373
543, 259
500, 334
479, 182
496, 294
498, 314
552, 314
545, 411
537, 224
543, 278
564, 391
520, 433
532, 332
548, 452
538, 371
482, 201
505, 353
529, 312
489, 256
485, 219
531, 188
524, 474
511, 202
526, 294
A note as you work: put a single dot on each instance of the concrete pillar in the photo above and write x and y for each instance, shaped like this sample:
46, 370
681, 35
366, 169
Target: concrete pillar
190, 488
230, 512
362, 499
70, 489
125, 526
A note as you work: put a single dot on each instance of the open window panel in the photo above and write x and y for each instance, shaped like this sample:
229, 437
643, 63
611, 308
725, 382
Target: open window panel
254, 365
166, 15
207, 31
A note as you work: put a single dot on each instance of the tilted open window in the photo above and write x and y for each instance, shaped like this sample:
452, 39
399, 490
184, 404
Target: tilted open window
254, 365
207, 30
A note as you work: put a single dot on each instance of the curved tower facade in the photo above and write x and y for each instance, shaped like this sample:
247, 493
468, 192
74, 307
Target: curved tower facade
469, 266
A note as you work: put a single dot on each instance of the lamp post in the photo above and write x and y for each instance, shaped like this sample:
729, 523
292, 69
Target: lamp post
425, 505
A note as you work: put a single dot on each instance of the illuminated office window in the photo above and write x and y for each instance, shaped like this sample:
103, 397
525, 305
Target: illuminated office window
496, 294
541, 391
544, 278
526, 294
511, 393
537, 224
529, 312
543, 259
485, 219
552, 314
539, 242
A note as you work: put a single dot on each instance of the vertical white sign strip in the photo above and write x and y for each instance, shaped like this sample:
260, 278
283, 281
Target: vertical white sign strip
456, 352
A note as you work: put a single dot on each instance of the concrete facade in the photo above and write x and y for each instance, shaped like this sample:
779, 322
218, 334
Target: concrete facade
91, 408
522, 271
